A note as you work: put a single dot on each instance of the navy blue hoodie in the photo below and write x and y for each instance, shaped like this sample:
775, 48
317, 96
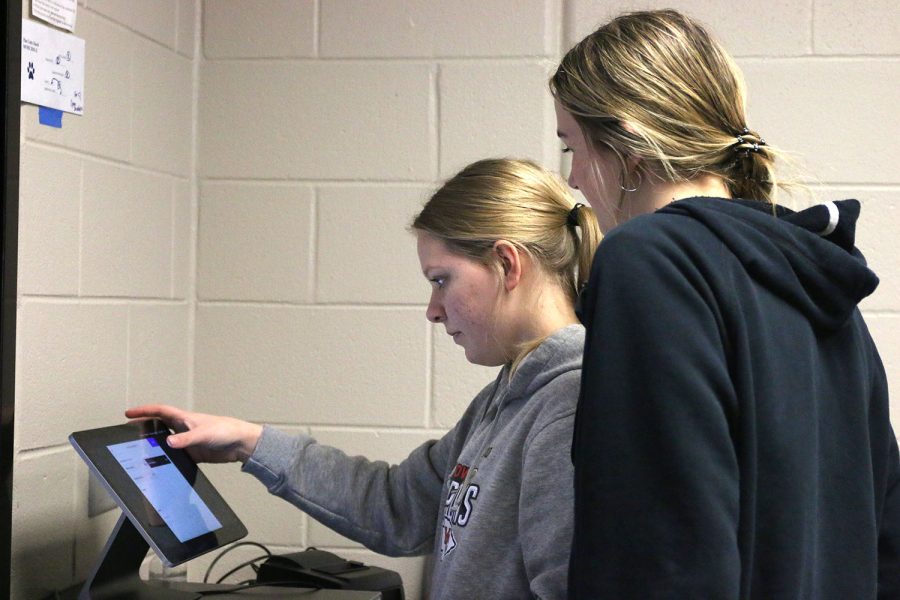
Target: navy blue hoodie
732, 438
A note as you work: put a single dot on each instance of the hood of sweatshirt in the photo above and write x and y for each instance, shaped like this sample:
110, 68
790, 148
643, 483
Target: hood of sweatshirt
559, 353
808, 257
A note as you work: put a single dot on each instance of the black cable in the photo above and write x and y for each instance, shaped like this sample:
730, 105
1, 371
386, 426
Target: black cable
248, 563
229, 549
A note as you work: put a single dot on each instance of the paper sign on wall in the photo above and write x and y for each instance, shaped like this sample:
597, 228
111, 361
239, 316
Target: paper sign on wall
56, 12
52, 68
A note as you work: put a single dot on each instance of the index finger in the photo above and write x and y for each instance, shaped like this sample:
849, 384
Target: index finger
169, 414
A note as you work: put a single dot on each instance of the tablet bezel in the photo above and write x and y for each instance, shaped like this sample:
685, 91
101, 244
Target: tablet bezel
92, 446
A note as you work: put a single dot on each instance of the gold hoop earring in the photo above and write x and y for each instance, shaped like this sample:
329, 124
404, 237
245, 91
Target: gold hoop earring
636, 186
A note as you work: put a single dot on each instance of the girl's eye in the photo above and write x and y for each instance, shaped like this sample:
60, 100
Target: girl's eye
438, 282
566, 149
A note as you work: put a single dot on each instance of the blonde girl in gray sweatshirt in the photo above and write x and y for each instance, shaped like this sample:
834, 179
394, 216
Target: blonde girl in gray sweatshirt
506, 251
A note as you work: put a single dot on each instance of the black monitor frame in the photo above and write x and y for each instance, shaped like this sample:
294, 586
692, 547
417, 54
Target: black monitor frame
95, 448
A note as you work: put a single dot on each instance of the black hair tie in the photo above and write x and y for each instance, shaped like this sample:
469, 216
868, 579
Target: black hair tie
572, 218
746, 146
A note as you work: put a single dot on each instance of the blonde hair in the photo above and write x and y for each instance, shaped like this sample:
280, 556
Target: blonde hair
516, 201
656, 85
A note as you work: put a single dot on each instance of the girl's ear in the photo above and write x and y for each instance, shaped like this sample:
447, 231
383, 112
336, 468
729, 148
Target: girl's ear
510, 259
631, 162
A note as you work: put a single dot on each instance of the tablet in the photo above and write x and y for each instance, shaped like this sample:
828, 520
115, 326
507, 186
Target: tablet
168, 499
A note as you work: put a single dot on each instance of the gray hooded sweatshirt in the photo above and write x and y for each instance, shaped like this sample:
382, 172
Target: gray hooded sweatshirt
492, 499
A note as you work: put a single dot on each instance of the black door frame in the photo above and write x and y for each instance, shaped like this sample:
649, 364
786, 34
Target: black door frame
12, 21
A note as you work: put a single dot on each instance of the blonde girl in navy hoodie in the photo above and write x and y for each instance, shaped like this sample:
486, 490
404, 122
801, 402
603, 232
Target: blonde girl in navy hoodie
732, 438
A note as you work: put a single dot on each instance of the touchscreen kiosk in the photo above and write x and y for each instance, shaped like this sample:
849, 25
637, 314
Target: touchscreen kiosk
170, 506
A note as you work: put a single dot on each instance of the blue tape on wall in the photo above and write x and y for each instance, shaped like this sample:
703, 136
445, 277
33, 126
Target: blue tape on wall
50, 116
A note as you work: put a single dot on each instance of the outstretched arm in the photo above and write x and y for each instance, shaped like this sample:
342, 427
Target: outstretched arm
390, 508
207, 438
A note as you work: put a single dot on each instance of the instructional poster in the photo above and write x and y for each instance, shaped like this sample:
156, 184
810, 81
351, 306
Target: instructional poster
52, 68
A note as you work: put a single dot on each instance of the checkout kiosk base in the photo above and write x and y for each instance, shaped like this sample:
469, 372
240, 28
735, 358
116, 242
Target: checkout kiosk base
116, 575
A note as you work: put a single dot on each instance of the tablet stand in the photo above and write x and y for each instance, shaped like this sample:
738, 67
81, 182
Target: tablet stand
117, 573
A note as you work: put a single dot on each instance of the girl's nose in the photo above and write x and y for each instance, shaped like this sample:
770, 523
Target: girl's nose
434, 312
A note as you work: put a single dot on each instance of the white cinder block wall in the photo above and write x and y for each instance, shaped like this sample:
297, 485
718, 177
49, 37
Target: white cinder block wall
271, 277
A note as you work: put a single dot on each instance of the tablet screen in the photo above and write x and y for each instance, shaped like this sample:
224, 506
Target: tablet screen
176, 503
162, 491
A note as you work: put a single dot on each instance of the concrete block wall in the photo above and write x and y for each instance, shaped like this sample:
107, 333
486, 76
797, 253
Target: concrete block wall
105, 274
282, 286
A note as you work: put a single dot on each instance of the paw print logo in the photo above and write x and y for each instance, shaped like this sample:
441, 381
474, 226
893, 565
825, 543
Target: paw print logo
31, 70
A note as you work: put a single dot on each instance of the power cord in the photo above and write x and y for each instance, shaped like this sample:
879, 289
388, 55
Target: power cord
250, 563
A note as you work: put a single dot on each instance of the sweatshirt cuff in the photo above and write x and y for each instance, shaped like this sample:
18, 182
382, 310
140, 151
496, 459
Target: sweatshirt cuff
272, 458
